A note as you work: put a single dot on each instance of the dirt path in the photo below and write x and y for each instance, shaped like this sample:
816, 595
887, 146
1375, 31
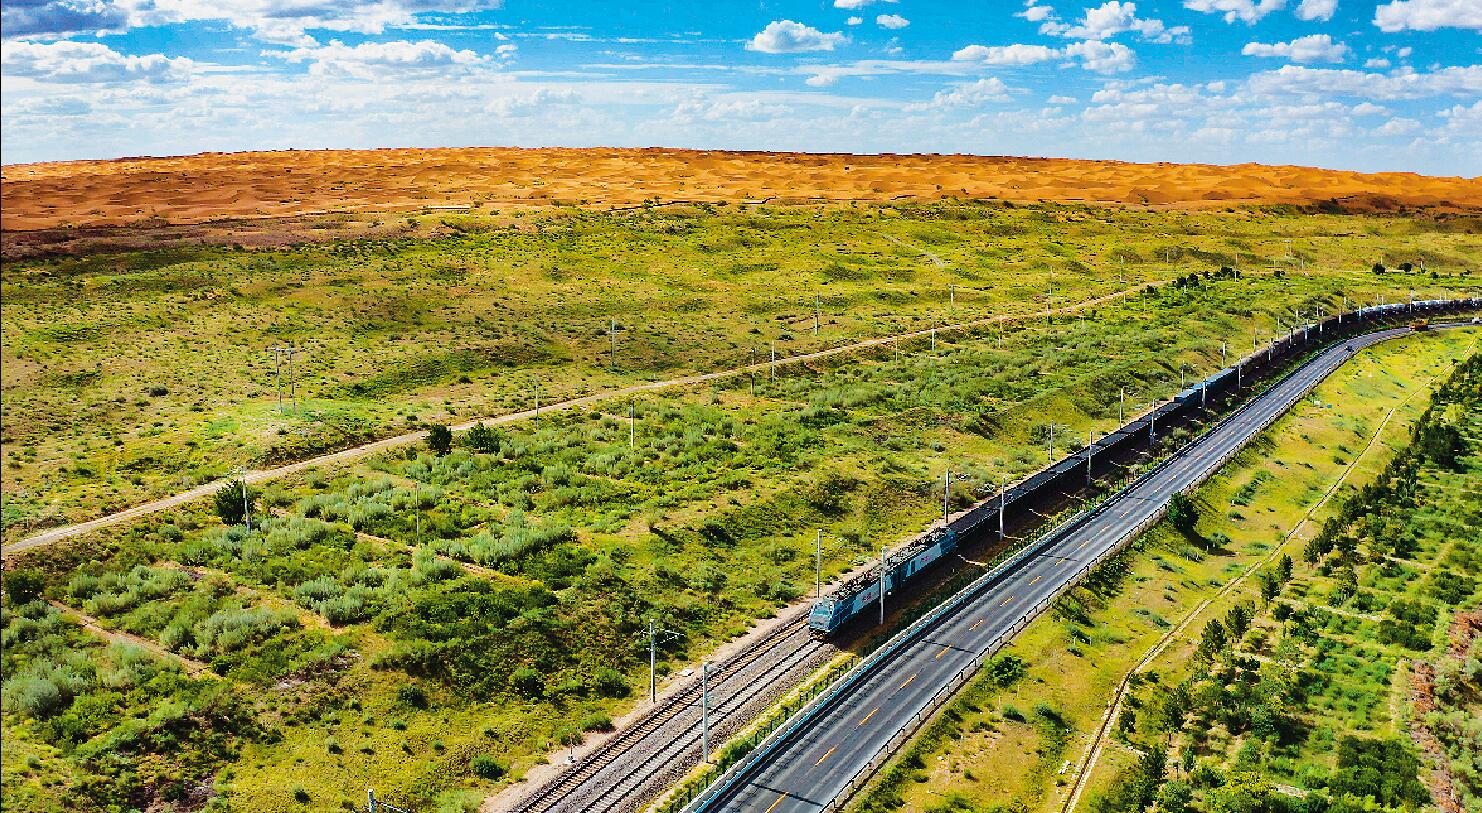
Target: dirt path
935, 260
410, 438
193, 668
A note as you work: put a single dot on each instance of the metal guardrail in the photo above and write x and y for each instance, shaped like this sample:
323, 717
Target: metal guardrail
909, 634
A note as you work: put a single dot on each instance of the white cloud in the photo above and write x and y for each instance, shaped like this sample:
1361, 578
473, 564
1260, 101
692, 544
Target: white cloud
854, 21
1094, 55
1369, 109
46, 19
1311, 48
1399, 127
1324, 82
1111, 18
788, 37
970, 94
1247, 11
279, 21
1316, 10
1035, 13
1376, 63
853, 4
892, 21
1062, 100
372, 59
1428, 15
87, 63
1102, 57
542, 99
1017, 54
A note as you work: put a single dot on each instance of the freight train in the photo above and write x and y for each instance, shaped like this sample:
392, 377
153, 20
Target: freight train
856, 596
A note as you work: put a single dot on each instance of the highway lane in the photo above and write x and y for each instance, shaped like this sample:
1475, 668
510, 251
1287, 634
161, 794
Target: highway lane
812, 769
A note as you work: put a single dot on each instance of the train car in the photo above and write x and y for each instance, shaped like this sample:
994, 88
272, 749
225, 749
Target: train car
863, 592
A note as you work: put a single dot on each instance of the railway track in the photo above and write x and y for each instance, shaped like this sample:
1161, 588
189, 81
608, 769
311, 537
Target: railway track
639, 761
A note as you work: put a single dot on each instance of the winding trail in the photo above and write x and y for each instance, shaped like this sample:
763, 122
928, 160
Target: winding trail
410, 438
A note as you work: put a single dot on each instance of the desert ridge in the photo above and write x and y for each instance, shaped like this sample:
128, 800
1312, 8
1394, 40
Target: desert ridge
210, 186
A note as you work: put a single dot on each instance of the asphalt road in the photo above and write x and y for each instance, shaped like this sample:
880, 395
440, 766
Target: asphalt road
812, 769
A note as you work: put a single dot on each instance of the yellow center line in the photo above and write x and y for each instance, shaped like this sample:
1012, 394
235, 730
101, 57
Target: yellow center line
826, 755
976, 624
1083, 544
868, 716
778, 802
1006, 601
1061, 563
907, 683
1035, 579
943, 652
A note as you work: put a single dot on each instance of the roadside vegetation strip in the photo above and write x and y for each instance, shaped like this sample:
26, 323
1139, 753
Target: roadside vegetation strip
1322, 722
410, 438
971, 758
1088, 763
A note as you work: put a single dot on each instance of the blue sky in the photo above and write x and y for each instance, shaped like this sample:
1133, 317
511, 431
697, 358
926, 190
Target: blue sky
1334, 83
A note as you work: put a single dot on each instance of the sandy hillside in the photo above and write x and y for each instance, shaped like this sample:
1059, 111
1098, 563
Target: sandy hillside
209, 186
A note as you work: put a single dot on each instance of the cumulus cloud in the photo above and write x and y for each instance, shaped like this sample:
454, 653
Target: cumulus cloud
854, 21
1017, 54
1428, 15
1316, 10
373, 59
87, 63
1093, 55
1311, 48
1399, 127
1035, 13
788, 37
970, 94
1110, 19
892, 21
542, 99
1246, 11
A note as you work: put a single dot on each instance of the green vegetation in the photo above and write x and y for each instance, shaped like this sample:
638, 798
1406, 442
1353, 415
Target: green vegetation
141, 374
434, 620
1236, 712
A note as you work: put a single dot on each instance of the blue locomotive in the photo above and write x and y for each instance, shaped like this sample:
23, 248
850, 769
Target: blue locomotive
863, 591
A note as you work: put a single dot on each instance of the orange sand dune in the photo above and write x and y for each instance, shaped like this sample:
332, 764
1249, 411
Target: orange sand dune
211, 186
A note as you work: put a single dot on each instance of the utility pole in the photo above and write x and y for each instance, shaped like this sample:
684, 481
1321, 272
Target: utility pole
1002, 491
1052, 444
818, 565
1122, 406
946, 496
705, 710
952, 296
1152, 422
882, 584
653, 656
1090, 450
1222, 354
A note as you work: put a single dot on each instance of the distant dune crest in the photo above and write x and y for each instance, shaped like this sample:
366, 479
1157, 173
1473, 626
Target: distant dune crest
212, 186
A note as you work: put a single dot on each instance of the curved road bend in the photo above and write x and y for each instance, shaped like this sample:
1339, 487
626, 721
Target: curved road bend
810, 771
398, 441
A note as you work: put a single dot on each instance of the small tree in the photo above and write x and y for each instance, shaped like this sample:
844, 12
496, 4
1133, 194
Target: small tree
1183, 513
439, 438
233, 501
23, 586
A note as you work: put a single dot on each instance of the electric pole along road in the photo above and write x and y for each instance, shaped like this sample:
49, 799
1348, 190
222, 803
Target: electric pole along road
821, 762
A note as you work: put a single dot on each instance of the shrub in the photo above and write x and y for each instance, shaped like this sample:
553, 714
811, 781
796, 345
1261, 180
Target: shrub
486, 767
412, 695
23, 586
